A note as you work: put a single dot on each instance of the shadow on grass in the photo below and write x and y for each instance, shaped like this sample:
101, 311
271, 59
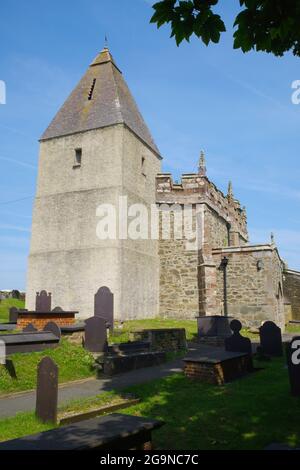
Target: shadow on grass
247, 414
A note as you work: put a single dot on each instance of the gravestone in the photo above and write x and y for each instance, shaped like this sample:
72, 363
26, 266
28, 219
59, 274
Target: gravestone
95, 335
270, 339
293, 363
47, 391
57, 309
43, 302
30, 329
13, 315
104, 306
237, 342
52, 327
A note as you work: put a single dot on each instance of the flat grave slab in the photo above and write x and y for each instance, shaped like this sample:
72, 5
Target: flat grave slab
29, 342
115, 431
8, 326
69, 329
218, 366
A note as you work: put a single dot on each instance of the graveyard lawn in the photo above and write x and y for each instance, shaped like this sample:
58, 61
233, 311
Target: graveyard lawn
247, 414
73, 361
124, 333
24, 424
6, 304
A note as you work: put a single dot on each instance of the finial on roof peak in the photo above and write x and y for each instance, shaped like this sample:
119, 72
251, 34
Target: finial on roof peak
105, 42
230, 190
202, 164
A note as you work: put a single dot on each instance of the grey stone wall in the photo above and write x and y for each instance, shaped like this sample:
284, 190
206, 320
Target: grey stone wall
291, 287
254, 295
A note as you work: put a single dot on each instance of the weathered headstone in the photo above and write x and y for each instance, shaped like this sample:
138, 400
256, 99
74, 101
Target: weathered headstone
29, 328
47, 391
52, 327
57, 309
104, 306
293, 363
237, 342
13, 315
95, 335
270, 339
43, 302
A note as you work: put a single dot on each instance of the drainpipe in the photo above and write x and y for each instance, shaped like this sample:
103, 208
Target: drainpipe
223, 266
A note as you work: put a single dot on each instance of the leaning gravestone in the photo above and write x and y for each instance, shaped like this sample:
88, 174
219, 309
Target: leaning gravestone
293, 363
43, 302
237, 342
95, 335
270, 339
13, 315
104, 306
47, 391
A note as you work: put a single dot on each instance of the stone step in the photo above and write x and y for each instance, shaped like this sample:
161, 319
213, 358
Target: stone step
112, 364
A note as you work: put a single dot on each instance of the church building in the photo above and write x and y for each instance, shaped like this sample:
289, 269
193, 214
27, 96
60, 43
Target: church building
99, 151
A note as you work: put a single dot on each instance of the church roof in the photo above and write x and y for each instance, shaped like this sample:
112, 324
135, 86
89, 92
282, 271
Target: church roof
101, 98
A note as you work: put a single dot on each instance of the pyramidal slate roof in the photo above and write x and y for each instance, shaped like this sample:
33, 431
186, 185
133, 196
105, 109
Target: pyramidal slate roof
101, 98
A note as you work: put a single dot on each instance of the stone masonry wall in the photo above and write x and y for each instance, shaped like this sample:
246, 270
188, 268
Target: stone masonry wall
291, 287
254, 295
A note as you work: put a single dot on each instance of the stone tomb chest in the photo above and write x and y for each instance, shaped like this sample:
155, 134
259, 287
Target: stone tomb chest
217, 367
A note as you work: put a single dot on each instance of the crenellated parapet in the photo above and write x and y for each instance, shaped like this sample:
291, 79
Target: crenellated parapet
196, 188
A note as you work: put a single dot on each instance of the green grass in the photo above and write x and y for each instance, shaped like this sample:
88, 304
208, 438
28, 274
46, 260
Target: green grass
26, 423
293, 329
23, 424
5, 306
247, 414
73, 362
134, 325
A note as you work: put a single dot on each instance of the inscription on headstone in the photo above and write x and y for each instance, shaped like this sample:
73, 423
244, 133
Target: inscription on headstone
95, 335
43, 302
270, 339
293, 362
47, 391
104, 305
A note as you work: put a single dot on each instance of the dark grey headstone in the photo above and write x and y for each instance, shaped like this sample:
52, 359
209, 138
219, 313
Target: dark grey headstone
237, 342
270, 339
214, 325
29, 328
13, 315
43, 302
293, 362
47, 391
104, 306
57, 309
52, 327
95, 335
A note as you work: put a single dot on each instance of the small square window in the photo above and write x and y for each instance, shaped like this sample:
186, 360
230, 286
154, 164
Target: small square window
78, 158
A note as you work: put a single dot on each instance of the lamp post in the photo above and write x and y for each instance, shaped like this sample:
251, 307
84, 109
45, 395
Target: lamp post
223, 266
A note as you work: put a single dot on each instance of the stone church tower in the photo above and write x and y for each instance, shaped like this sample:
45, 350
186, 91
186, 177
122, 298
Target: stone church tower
97, 149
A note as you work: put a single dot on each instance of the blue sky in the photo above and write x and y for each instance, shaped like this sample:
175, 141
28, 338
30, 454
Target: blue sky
236, 107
